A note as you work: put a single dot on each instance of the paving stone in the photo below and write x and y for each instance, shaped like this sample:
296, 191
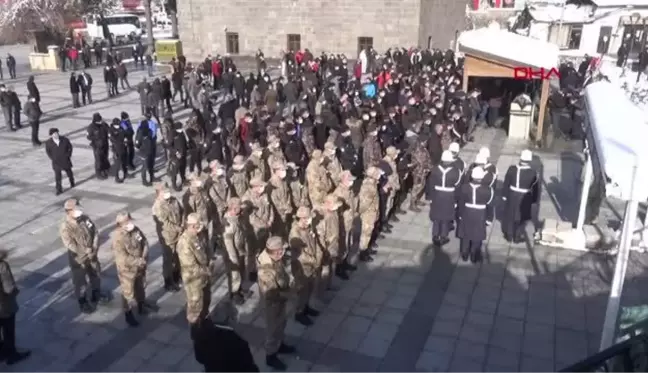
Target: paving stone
451, 312
355, 324
390, 315
321, 333
440, 344
470, 350
501, 357
433, 362
365, 311
448, 328
402, 302
462, 364
475, 333
532, 364
383, 331
347, 340
510, 342
125, 364
374, 346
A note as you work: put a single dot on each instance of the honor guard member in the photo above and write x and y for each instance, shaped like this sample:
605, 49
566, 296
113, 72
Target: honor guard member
441, 190
298, 191
318, 180
281, 199
490, 172
235, 246
304, 244
456, 161
168, 217
275, 283
196, 269
130, 249
520, 192
81, 238
475, 214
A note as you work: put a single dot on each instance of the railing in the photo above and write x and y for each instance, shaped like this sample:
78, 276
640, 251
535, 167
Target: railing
628, 356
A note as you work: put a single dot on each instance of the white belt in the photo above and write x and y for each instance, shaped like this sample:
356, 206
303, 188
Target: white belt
519, 190
444, 189
474, 206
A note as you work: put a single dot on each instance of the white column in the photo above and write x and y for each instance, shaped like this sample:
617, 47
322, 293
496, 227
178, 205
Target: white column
587, 181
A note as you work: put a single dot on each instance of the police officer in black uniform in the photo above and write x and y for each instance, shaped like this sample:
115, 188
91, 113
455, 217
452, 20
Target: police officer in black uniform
178, 157
347, 153
98, 136
214, 146
127, 126
520, 191
474, 204
441, 190
145, 142
118, 143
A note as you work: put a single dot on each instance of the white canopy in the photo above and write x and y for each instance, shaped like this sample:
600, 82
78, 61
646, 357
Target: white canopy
619, 131
510, 48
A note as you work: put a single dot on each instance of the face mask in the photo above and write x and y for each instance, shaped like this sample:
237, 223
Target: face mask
365, 117
166, 195
198, 184
373, 114
291, 133
130, 227
260, 190
257, 153
346, 134
77, 214
374, 133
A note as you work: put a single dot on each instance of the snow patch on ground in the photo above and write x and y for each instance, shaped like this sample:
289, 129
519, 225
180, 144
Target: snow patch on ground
626, 79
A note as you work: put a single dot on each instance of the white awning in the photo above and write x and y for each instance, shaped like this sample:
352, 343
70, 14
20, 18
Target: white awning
555, 14
509, 48
619, 131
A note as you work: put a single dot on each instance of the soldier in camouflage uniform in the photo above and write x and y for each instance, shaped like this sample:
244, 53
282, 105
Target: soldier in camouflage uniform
303, 243
237, 259
281, 199
275, 283
393, 180
239, 176
81, 238
346, 192
259, 212
371, 151
130, 249
368, 208
275, 152
196, 268
327, 225
196, 200
332, 163
168, 217
317, 179
257, 162
298, 191
421, 165
218, 192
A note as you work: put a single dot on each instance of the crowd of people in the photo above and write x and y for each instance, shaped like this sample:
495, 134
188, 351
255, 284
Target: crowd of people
291, 181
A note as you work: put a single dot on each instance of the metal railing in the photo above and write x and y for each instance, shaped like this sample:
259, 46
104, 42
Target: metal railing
630, 355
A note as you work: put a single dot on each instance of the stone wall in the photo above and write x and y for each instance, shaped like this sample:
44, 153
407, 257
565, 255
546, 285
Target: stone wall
440, 20
332, 25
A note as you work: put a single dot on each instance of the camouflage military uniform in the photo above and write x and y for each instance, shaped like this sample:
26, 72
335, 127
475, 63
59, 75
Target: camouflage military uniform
349, 210
368, 208
219, 193
261, 217
318, 181
275, 281
393, 182
81, 238
240, 181
168, 217
303, 242
197, 201
238, 260
371, 152
281, 199
328, 234
196, 274
333, 166
298, 192
258, 166
131, 252
421, 168
276, 156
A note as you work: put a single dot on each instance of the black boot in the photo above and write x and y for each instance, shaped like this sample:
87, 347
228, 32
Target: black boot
144, 308
85, 306
286, 349
253, 276
350, 267
309, 311
99, 298
339, 272
238, 298
177, 278
365, 256
130, 319
170, 285
17, 357
303, 319
275, 363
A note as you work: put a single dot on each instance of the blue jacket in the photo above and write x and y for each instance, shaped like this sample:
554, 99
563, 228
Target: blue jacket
369, 90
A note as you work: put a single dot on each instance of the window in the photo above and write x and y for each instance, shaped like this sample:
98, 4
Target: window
232, 46
364, 42
294, 42
605, 34
567, 36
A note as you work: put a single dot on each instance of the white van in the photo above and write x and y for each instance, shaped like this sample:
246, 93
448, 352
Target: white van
123, 27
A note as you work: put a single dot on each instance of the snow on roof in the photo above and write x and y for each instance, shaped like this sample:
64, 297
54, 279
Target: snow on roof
509, 48
620, 3
572, 14
619, 130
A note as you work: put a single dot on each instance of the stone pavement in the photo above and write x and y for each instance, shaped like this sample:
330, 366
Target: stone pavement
414, 308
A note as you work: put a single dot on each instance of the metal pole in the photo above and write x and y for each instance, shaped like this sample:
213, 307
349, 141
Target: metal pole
587, 180
643, 48
608, 337
149, 25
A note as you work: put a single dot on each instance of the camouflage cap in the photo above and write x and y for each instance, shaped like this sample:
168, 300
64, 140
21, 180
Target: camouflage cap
193, 218
214, 164
303, 212
274, 243
233, 202
391, 150
257, 182
278, 165
317, 154
329, 145
238, 162
70, 204
122, 217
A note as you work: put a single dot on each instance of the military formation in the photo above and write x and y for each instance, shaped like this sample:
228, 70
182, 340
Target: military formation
302, 175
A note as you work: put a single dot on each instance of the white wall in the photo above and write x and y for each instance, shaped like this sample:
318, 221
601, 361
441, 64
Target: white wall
591, 32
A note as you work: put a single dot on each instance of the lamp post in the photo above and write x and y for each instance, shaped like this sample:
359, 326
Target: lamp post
149, 25
643, 48
634, 19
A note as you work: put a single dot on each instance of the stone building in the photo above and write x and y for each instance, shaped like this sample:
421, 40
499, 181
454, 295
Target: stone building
339, 26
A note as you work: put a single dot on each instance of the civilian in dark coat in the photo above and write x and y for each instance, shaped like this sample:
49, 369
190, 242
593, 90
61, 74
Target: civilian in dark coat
33, 113
74, 90
8, 310
32, 89
84, 80
59, 151
220, 349
166, 94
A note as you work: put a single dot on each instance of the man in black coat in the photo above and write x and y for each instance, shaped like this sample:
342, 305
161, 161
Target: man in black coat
98, 135
32, 89
59, 151
145, 142
84, 81
166, 94
118, 142
220, 349
33, 113
74, 90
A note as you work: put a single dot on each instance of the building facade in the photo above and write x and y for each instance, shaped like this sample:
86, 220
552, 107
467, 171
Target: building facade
336, 26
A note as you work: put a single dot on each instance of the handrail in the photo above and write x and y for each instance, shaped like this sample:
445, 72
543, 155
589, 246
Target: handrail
601, 361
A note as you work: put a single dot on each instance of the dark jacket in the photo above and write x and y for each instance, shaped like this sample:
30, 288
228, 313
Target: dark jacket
81, 81
9, 290
61, 154
32, 89
98, 135
74, 86
220, 349
144, 141
32, 111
